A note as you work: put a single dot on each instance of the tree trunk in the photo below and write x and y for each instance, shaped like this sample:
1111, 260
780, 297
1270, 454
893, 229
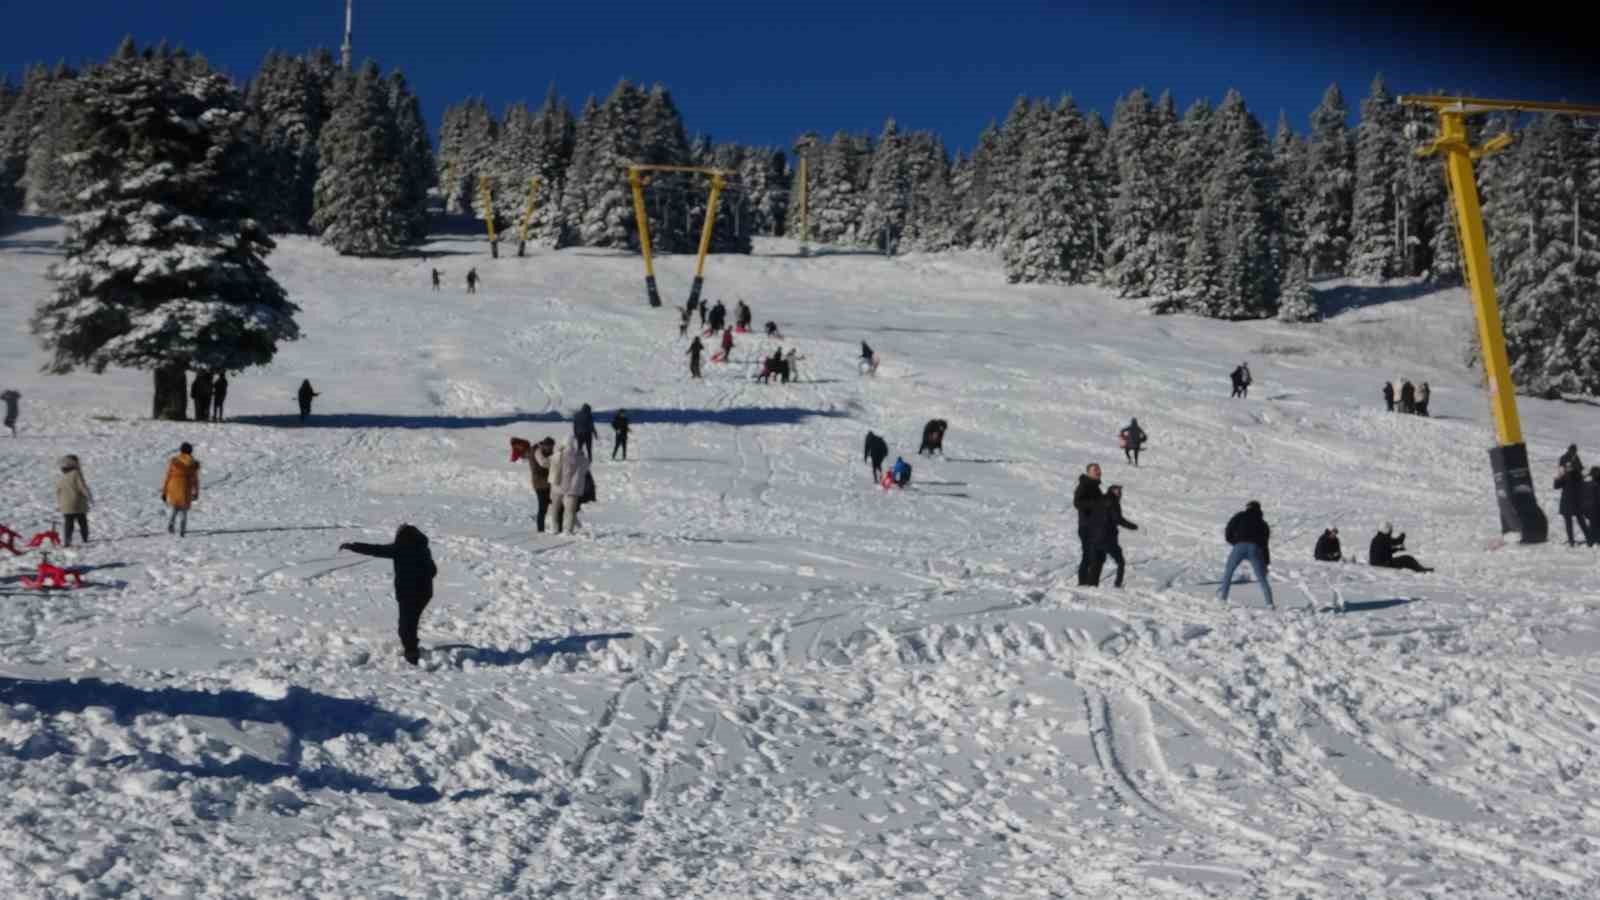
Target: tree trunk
172, 394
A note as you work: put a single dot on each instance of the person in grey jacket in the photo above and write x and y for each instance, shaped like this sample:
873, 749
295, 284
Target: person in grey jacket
73, 498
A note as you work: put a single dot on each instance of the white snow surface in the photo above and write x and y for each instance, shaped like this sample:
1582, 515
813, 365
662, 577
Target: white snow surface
753, 673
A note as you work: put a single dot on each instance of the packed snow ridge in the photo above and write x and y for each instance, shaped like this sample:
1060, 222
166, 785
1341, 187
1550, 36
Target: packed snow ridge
752, 672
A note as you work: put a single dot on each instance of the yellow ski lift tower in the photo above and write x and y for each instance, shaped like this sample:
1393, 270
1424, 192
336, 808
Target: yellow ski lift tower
486, 206
1513, 482
637, 182
527, 217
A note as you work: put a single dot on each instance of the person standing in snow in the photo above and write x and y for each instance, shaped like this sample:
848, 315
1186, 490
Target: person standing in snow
719, 315
791, 363
1327, 549
414, 571
472, 280
10, 399
200, 393
1237, 377
1132, 438
219, 396
1591, 504
877, 449
73, 498
568, 475
1571, 456
583, 430
1569, 481
727, 345
539, 466
745, 317
1384, 544
701, 309
305, 394
1388, 395
436, 281
695, 349
1249, 535
1085, 499
1422, 399
1408, 397
619, 425
181, 488
684, 312
1105, 523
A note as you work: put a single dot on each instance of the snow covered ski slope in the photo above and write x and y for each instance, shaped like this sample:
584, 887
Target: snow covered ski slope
753, 673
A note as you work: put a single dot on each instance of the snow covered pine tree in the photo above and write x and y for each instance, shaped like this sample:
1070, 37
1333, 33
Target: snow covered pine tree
163, 268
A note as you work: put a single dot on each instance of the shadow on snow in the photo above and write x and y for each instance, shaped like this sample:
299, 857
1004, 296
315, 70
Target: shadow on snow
742, 416
544, 649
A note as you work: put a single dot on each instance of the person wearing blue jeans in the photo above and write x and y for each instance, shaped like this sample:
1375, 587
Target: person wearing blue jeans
1249, 534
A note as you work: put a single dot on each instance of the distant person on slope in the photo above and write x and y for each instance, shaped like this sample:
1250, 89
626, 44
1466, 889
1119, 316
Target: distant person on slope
791, 364
1388, 395
719, 316
743, 317
1237, 376
933, 437
1327, 549
684, 312
1085, 499
772, 331
436, 280
414, 571
1250, 535
875, 451
695, 349
219, 396
181, 488
1422, 399
1384, 544
305, 394
1569, 481
472, 280
1132, 438
200, 393
10, 399
1408, 397
619, 440
1105, 523
583, 430
73, 498
727, 346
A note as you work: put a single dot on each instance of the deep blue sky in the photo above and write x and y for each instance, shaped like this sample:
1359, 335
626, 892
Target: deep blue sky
762, 73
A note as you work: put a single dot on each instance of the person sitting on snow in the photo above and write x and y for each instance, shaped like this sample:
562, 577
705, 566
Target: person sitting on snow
1384, 544
901, 472
1327, 549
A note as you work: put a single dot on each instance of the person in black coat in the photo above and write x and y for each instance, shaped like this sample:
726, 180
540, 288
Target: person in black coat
1105, 522
414, 572
719, 315
200, 392
583, 430
219, 396
1132, 438
877, 450
1384, 545
1327, 549
1571, 456
619, 424
305, 395
1408, 397
1086, 499
1591, 504
1250, 537
1570, 483
933, 437
1388, 395
695, 349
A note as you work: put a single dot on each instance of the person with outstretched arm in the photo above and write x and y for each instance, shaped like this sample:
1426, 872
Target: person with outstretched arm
414, 571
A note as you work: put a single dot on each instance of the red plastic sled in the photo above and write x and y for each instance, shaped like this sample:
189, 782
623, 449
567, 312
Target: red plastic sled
54, 575
52, 536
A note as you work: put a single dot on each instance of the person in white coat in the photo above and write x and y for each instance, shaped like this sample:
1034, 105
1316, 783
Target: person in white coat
557, 455
572, 474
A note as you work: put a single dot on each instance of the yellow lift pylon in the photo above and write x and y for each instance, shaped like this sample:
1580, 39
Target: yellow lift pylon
486, 204
527, 216
1513, 480
637, 182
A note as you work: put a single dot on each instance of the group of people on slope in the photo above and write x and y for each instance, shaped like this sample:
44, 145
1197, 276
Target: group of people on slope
1100, 521
210, 394
1580, 499
563, 478
472, 280
1241, 379
1411, 399
1383, 551
875, 452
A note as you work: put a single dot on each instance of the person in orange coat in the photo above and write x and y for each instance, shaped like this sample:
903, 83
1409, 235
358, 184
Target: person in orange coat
181, 488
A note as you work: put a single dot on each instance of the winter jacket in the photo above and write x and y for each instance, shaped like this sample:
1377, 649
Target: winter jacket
219, 388
1249, 526
1570, 484
306, 393
1106, 521
583, 423
201, 389
619, 424
11, 398
574, 469
1084, 500
1591, 496
866, 351
1133, 436
1328, 549
1571, 456
558, 458
539, 464
414, 570
876, 448
696, 348
1388, 391
1381, 551
182, 486
72, 492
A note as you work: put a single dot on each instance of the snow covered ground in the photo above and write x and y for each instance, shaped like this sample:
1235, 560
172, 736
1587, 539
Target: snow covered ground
755, 674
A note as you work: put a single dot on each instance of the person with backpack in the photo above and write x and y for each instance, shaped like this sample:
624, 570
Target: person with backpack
619, 441
1569, 481
695, 349
181, 488
305, 394
875, 451
583, 430
414, 571
200, 393
1132, 438
219, 396
1249, 535
1384, 544
1105, 524
1328, 549
1086, 499
73, 498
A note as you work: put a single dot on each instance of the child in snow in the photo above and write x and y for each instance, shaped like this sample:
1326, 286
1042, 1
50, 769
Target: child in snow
11, 398
73, 497
414, 572
181, 488
901, 472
